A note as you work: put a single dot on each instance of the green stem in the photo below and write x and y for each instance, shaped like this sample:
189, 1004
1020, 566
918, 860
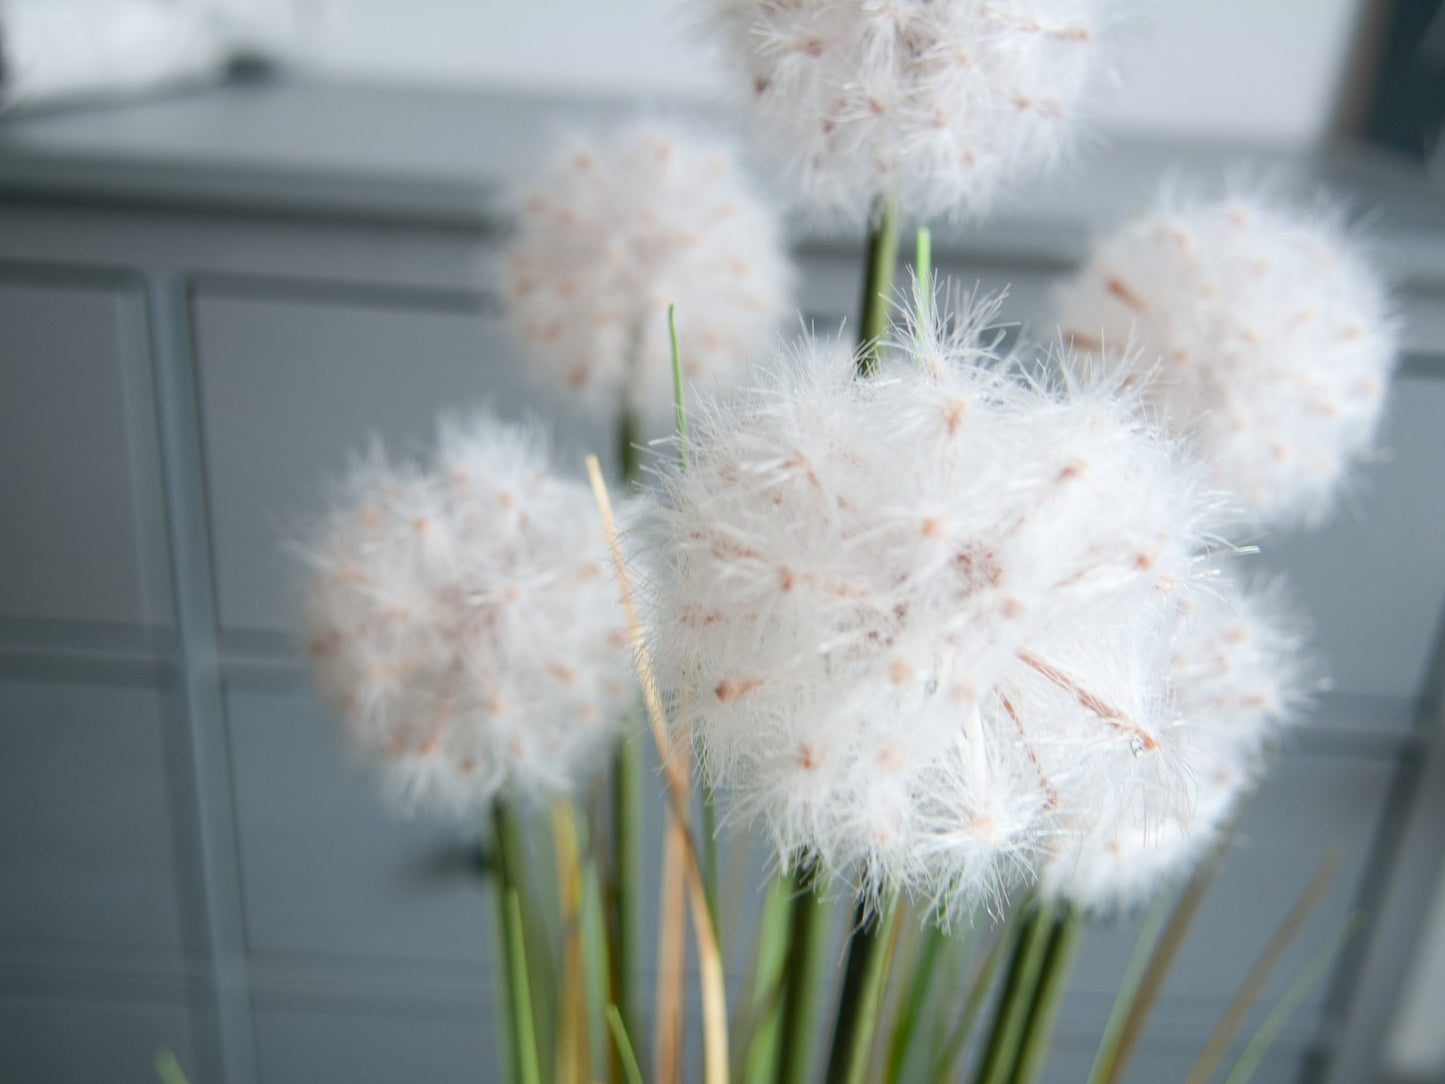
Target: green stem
529, 1071
807, 933
1063, 945
882, 259
923, 275
934, 941
506, 840
626, 880
864, 976
626, 1056
1274, 1023
1011, 1016
1128, 986
770, 955
628, 457
943, 1066
1160, 962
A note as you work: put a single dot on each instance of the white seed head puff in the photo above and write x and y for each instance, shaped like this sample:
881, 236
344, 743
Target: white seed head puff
944, 101
462, 620
1265, 338
1238, 674
615, 230
866, 587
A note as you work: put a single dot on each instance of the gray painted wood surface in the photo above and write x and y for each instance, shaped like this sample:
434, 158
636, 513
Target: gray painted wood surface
206, 303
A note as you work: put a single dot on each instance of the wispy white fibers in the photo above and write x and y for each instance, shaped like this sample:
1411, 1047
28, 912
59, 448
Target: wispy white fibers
1260, 333
615, 229
945, 101
1238, 674
462, 620
906, 618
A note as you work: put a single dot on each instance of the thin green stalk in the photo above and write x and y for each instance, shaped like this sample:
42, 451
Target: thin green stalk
597, 960
1274, 950
628, 457
882, 259
168, 1068
1160, 962
1011, 1015
512, 855
1274, 1023
1063, 945
529, 1071
624, 903
923, 274
626, 1056
679, 394
870, 950
943, 1066
1128, 987
763, 1016
709, 814
807, 934
909, 1010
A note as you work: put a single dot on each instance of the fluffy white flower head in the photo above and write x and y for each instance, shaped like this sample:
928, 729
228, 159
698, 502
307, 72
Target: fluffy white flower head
1238, 675
462, 621
944, 101
1272, 337
615, 230
899, 614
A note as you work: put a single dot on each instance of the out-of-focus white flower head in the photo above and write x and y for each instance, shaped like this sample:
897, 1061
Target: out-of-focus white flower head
1261, 335
1238, 675
461, 618
943, 101
617, 228
902, 616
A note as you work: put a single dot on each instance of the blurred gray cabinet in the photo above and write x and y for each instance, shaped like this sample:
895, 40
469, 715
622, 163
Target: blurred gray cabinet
203, 312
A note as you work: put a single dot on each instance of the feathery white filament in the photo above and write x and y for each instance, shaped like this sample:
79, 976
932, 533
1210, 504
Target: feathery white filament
615, 230
1237, 676
461, 619
1260, 334
902, 616
944, 101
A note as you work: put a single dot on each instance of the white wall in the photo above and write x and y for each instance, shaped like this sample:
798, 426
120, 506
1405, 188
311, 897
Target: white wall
1251, 69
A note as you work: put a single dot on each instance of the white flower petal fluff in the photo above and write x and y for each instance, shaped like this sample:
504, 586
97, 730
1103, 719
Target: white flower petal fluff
615, 230
1262, 336
1238, 675
462, 620
943, 101
897, 615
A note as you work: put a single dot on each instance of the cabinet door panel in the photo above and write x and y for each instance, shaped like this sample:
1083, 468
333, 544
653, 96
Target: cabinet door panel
290, 389
83, 529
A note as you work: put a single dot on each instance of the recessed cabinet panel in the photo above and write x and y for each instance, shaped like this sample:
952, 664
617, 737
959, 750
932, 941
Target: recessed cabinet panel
1371, 580
89, 873
77, 1040
82, 536
381, 1044
328, 869
289, 390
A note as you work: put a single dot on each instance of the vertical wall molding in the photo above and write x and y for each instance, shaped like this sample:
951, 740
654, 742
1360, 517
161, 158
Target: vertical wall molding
204, 774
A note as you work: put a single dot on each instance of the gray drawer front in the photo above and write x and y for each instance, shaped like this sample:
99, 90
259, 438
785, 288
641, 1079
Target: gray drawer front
290, 389
89, 872
380, 1045
83, 531
79, 1040
1373, 579
328, 869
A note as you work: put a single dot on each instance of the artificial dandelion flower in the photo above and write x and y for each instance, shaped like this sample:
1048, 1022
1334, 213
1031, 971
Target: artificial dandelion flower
613, 232
896, 614
461, 618
1237, 676
1262, 335
945, 102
